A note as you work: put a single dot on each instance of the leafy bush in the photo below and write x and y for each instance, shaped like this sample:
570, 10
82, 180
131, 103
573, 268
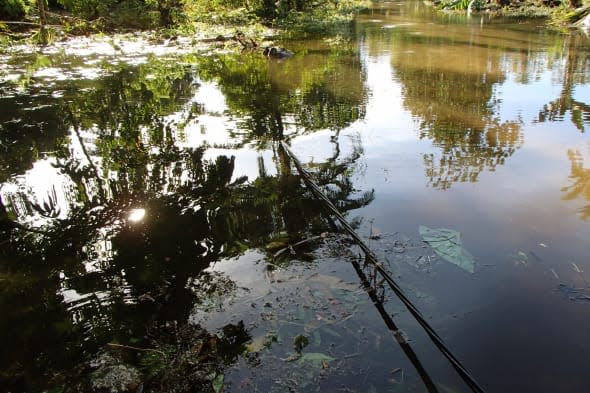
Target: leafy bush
88, 8
13, 9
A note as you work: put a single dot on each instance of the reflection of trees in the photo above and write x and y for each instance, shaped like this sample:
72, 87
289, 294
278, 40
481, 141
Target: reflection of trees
305, 93
29, 127
580, 187
575, 72
452, 97
98, 277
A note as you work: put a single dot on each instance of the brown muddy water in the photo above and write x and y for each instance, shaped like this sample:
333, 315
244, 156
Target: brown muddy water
145, 200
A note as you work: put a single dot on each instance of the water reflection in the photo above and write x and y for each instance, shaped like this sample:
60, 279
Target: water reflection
453, 80
579, 187
118, 193
448, 85
573, 73
273, 100
135, 216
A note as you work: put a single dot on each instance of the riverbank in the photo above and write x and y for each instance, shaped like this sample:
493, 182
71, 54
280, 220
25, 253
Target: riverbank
200, 21
557, 14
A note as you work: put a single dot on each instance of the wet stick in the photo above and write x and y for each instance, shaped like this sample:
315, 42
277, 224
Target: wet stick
129, 347
581, 273
396, 333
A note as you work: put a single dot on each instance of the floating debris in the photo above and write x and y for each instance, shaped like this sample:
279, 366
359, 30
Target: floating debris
447, 245
573, 294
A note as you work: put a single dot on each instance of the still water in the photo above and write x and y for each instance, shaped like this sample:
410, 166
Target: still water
143, 191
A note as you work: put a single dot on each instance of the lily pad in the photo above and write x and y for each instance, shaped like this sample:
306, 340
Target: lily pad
447, 245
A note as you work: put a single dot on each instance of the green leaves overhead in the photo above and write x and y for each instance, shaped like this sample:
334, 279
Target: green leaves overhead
447, 245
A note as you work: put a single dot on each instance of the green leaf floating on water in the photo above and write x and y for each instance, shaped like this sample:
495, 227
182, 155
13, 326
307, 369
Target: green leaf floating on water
316, 358
447, 245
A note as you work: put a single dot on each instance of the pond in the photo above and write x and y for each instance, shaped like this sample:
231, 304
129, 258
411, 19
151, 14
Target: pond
156, 236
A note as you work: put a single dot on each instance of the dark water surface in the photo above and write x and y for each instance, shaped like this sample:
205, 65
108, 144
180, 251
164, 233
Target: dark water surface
143, 192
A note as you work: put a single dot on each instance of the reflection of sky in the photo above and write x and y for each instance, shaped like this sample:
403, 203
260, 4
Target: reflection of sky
582, 94
516, 208
525, 101
518, 205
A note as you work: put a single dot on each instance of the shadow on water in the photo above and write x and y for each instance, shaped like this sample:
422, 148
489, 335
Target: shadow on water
108, 217
126, 201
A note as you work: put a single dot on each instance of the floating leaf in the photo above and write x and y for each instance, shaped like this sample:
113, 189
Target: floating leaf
447, 245
316, 358
317, 338
330, 331
218, 383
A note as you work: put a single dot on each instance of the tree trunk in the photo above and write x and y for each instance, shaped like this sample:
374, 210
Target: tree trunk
43, 33
42, 12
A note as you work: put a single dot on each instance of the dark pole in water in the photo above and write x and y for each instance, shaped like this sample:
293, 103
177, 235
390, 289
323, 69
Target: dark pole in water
397, 334
371, 258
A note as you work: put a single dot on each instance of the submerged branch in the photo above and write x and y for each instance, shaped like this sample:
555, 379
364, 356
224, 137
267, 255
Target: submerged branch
291, 247
129, 347
397, 334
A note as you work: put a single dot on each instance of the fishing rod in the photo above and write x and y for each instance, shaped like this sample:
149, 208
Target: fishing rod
397, 334
372, 259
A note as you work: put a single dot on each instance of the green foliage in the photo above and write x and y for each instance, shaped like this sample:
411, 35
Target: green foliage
13, 9
44, 36
326, 17
461, 5
88, 8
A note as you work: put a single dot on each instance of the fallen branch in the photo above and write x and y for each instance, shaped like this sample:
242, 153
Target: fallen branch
18, 23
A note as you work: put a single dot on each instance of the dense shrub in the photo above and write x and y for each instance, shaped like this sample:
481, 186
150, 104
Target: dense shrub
13, 9
88, 8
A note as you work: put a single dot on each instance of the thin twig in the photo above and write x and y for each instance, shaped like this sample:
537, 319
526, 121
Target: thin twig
129, 347
291, 247
19, 23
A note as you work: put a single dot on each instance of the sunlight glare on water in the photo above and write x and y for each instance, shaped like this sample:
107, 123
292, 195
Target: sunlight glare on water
152, 196
136, 215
